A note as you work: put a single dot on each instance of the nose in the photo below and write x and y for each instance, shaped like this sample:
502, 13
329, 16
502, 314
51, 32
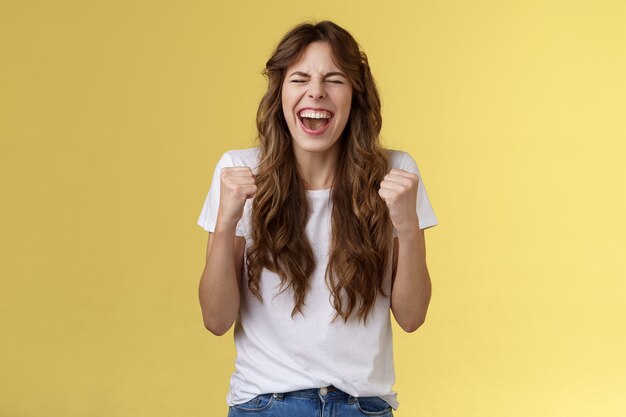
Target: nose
316, 89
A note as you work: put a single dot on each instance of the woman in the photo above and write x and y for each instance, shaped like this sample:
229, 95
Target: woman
314, 236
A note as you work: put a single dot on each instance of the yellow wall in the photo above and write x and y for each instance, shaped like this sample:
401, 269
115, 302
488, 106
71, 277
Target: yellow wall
113, 114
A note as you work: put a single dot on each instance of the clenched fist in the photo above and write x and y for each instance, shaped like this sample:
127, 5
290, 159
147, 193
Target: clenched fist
399, 190
237, 184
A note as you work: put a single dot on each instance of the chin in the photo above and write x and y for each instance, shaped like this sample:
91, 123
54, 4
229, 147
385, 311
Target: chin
314, 145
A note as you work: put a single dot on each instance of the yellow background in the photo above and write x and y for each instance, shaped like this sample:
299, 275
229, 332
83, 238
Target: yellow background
114, 113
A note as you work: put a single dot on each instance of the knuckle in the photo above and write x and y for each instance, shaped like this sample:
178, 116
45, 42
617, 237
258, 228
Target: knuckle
224, 173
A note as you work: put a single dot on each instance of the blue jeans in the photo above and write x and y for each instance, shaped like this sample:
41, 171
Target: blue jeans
313, 402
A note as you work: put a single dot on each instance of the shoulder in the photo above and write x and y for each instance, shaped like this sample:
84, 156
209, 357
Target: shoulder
402, 160
241, 157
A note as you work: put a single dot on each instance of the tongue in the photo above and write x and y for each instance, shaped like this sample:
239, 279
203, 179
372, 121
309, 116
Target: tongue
314, 124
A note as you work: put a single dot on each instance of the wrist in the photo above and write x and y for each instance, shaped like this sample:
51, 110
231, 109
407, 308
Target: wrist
225, 226
409, 231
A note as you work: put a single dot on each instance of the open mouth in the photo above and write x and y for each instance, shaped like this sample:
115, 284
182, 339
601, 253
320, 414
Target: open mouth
315, 121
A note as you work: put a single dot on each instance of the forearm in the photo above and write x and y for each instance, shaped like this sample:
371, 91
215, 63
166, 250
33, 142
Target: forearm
219, 289
412, 287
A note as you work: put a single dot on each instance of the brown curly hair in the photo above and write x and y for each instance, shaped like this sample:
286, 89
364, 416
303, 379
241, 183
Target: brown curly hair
361, 228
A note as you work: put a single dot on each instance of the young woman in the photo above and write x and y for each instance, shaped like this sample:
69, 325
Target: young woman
314, 236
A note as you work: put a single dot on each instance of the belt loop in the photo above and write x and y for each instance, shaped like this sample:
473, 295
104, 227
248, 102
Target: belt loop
351, 399
278, 396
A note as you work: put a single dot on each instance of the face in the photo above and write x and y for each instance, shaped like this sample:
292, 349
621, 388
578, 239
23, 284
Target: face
316, 97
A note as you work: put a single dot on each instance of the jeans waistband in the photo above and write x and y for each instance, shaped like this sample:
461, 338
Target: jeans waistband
327, 393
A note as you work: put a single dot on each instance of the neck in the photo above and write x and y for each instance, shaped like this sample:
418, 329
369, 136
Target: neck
317, 169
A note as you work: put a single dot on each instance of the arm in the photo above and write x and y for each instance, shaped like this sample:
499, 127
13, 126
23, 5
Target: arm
220, 284
410, 282
221, 280
410, 287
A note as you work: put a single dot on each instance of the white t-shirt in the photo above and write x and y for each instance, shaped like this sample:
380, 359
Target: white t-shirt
276, 353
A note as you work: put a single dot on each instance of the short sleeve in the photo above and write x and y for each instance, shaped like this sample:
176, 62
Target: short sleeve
208, 215
425, 212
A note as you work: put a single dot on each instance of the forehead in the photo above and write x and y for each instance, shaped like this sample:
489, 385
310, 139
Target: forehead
316, 57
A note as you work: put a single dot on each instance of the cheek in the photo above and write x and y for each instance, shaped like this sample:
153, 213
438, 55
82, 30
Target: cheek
345, 97
346, 103
284, 104
288, 102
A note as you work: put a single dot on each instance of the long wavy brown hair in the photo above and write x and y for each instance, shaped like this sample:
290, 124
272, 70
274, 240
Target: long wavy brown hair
361, 228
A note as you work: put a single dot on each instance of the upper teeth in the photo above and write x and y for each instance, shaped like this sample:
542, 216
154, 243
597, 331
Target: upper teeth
315, 114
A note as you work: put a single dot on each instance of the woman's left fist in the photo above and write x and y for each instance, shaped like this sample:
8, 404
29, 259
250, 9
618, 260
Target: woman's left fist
399, 190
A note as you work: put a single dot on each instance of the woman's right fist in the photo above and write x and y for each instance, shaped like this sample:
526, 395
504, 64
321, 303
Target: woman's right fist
236, 186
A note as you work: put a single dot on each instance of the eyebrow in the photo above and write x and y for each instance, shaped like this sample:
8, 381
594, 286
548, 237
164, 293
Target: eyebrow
328, 74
